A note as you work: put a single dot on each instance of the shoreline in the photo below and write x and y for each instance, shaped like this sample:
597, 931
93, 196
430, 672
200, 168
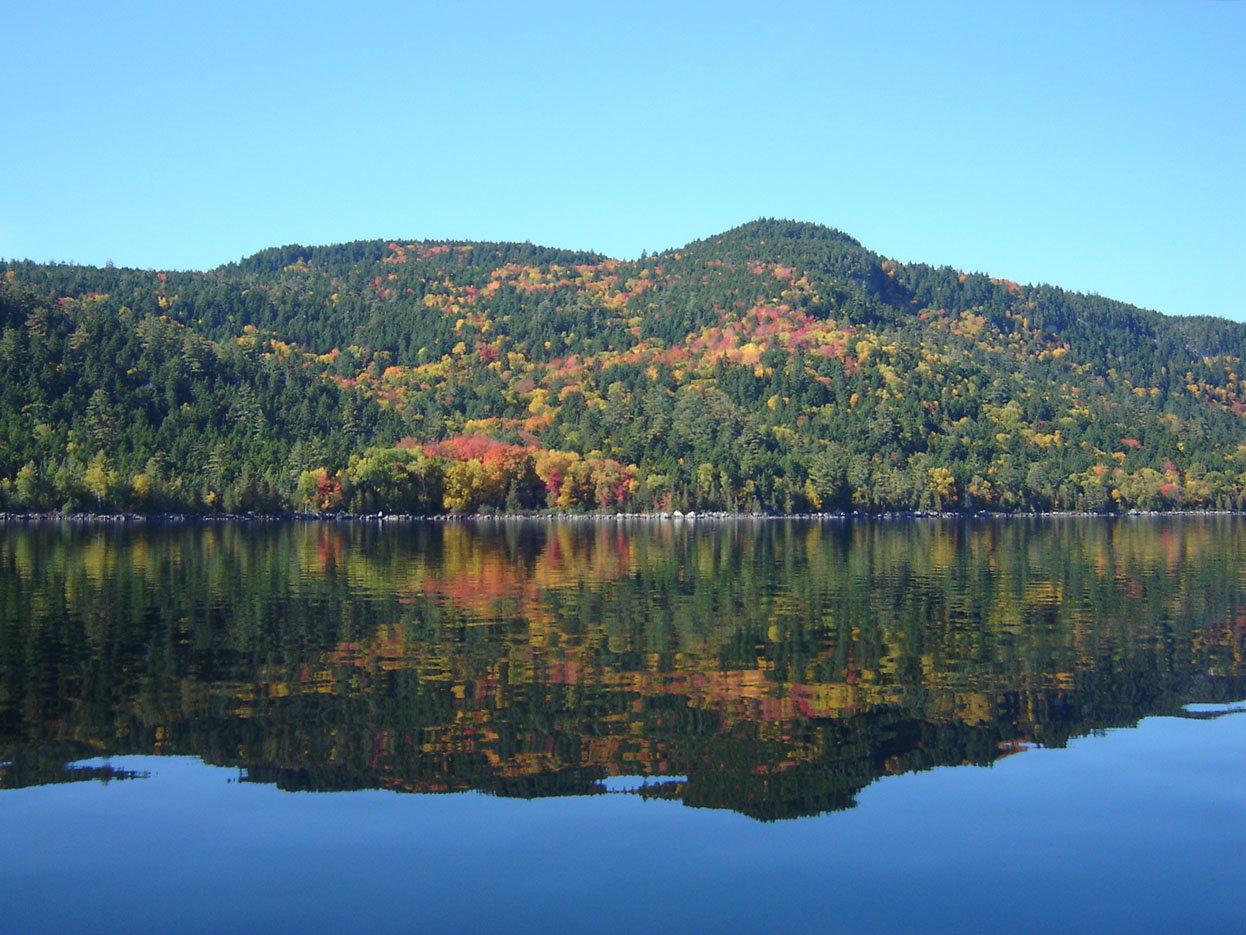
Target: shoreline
674, 516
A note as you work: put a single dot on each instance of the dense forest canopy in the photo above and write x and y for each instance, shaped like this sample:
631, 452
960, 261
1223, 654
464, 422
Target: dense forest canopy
779, 366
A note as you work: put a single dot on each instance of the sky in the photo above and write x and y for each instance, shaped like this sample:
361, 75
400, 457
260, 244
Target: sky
1097, 145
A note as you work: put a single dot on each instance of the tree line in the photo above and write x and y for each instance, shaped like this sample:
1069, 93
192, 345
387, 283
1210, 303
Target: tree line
776, 367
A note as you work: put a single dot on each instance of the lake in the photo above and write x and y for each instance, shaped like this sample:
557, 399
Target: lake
615, 726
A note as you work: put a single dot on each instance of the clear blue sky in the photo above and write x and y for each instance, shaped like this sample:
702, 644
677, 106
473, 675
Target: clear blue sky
1098, 145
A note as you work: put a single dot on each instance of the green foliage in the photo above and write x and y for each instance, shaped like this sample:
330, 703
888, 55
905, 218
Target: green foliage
114, 410
778, 366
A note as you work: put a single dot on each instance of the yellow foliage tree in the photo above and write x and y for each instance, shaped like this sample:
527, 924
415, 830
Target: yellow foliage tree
464, 485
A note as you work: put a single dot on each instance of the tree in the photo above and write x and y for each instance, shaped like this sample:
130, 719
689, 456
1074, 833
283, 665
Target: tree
99, 479
29, 487
464, 486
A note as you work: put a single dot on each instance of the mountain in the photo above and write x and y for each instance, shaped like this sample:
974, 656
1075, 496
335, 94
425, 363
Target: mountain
779, 366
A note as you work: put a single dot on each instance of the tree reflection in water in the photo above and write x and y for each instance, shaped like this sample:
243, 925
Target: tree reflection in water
771, 667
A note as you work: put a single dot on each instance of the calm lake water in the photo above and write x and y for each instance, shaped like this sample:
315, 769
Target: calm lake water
624, 726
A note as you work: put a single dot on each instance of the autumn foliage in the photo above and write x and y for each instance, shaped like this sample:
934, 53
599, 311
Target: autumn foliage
778, 367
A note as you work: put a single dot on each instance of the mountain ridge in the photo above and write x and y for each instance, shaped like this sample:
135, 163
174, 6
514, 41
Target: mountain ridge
776, 366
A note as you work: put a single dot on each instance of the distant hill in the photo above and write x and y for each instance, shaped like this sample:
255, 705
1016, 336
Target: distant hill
779, 366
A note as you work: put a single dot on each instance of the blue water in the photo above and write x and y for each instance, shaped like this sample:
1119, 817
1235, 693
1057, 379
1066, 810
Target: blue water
1135, 830
606, 728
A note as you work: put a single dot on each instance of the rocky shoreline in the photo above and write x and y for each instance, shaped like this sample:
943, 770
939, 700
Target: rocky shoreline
674, 516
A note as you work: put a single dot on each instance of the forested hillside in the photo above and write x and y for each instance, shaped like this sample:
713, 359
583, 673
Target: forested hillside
779, 366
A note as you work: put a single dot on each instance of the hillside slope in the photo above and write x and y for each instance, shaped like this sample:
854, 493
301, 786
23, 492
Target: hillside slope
778, 366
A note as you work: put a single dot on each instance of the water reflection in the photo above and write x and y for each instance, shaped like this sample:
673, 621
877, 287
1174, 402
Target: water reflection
773, 668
